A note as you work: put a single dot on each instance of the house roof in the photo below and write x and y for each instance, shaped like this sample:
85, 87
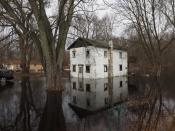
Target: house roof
83, 42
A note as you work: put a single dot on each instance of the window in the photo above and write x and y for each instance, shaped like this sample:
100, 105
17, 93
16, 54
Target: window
120, 66
87, 69
88, 103
81, 86
105, 86
80, 69
73, 54
88, 87
120, 55
74, 68
105, 54
87, 53
121, 84
105, 68
74, 85
106, 101
74, 100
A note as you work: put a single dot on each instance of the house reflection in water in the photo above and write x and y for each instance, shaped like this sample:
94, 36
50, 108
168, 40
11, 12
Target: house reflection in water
94, 94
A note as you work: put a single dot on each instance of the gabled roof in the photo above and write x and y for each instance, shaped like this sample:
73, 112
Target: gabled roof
83, 42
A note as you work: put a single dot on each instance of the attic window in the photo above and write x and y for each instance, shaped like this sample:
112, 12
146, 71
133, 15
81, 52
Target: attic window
73, 54
87, 53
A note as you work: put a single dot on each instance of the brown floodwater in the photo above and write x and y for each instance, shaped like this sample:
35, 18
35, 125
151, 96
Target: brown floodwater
133, 104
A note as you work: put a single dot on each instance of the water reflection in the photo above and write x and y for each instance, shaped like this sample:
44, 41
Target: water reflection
4, 85
95, 94
150, 111
52, 118
88, 104
19, 110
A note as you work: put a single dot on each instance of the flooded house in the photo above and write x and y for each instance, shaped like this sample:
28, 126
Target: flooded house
97, 59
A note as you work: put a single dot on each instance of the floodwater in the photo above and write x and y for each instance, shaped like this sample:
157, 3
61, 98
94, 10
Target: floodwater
133, 104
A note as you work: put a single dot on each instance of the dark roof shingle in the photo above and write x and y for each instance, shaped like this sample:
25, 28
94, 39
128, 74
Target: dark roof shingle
82, 42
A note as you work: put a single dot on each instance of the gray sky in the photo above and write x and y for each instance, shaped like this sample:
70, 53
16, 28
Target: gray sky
104, 10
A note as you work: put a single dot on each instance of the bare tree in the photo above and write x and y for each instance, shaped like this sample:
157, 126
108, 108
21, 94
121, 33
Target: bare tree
168, 9
18, 22
90, 26
49, 35
150, 25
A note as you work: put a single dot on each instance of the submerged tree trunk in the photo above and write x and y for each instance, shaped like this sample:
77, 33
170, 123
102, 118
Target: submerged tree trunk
53, 118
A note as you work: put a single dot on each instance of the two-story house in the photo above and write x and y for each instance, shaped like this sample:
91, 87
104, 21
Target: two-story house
97, 59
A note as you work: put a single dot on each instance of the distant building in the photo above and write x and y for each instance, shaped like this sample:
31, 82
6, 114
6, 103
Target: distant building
97, 59
15, 65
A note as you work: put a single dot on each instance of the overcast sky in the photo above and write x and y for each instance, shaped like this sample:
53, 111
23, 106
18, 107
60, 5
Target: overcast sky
104, 10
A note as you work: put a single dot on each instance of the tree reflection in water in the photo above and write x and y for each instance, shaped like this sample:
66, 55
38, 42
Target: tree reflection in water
23, 119
20, 111
53, 118
150, 111
28, 107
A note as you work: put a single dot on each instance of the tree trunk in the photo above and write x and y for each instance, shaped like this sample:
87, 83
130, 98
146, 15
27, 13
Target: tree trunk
54, 78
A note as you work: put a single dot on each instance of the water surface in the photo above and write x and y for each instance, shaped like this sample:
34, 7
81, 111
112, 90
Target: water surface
88, 105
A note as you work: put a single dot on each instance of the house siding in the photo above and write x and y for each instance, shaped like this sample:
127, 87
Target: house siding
97, 60
97, 95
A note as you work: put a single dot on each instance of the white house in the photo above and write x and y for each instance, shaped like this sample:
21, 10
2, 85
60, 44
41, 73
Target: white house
93, 95
97, 59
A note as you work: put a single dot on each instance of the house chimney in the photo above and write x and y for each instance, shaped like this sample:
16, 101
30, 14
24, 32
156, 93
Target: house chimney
110, 44
110, 71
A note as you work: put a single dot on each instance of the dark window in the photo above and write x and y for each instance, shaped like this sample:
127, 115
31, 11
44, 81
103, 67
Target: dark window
105, 54
80, 69
105, 68
73, 54
74, 85
87, 69
81, 86
87, 53
88, 103
74, 68
105, 86
120, 66
121, 84
120, 54
106, 101
88, 87
74, 100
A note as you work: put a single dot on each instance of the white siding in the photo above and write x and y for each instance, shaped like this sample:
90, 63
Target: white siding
97, 95
97, 62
